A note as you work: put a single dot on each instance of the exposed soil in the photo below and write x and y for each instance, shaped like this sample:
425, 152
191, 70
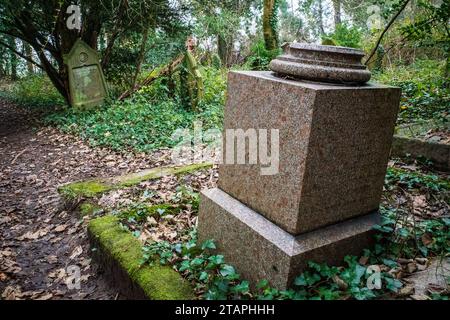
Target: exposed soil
40, 240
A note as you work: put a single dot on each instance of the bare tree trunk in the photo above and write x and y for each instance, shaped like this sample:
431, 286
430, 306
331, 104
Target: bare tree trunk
447, 70
108, 51
29, 54
225, 48
269, 24
141, 56
337, 13
114, 34
13, 58
321, 28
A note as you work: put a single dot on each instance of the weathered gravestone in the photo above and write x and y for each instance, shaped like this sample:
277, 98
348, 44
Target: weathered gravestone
86, 81
335, 134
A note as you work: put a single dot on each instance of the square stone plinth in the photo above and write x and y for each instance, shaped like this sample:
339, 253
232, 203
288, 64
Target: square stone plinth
259, 249
334, 148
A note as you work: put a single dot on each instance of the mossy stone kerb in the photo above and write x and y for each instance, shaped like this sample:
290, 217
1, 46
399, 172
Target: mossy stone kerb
118, 247
94, 188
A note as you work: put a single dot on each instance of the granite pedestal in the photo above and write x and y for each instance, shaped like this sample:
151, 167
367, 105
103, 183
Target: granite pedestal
334, 143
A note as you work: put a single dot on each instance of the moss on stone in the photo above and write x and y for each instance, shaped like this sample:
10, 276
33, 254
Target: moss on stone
84, 189
87, 209
93, 188
158, 282
133, 179
191, 168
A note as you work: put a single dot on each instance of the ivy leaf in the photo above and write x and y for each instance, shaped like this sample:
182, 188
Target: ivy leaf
242, 287
359, 273
227, 271
208, 244
446, 221
203, 276
211, 295
312, 279
300, 295
136, 234
190, 245
262, 284
390, 263
185, 265
423, 250
300, 281
393, 284
215, 261
178, 248
362, 293
222, 285
197, 262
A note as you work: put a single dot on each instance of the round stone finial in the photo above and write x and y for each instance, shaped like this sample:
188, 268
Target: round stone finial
321, 63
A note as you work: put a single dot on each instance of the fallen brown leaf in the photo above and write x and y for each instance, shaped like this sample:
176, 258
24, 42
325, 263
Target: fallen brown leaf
76, 252
406, 291
60, 228
420, 297
411, 267
45, 297
426, 239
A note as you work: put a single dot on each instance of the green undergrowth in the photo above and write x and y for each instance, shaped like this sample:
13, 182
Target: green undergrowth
146, 121
212, 275
396, 237
184, 199
34, 91
416, 180
139, 212
425, 91
158, 282
142, 123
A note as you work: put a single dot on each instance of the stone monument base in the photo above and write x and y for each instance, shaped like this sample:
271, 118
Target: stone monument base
259, 249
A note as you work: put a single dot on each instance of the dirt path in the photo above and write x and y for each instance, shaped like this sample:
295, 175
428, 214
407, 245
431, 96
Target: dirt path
39, 240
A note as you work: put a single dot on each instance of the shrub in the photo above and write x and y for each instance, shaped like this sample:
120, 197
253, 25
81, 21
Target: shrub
34, 91
147, 120
260, 57
344, 36
425, 92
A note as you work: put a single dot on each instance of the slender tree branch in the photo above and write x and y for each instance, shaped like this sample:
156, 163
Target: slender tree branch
141, 56
11, 33
21, 55
374, 50
19, 36
123, 8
